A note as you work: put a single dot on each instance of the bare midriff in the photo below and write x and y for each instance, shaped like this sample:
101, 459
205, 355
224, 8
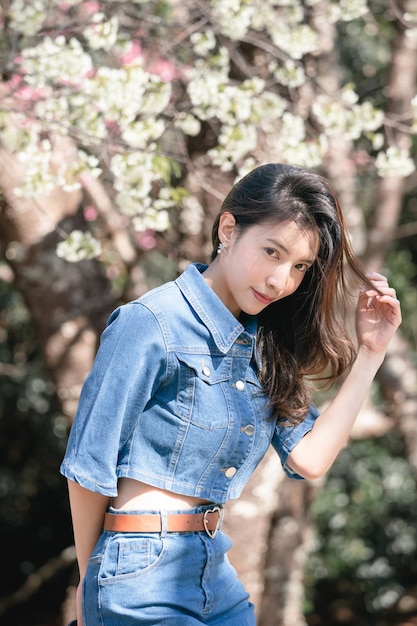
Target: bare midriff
134, 495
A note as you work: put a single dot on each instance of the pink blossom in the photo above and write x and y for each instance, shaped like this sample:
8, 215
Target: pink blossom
90, 213
361, 158
146, 240
164, 68
18, 88
112, 272
91, 7
134, 52
14, 83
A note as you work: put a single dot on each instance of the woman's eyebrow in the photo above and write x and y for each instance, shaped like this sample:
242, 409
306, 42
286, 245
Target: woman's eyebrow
281, 246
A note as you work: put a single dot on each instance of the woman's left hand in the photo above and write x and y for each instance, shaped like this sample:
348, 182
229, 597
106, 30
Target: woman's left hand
378, 314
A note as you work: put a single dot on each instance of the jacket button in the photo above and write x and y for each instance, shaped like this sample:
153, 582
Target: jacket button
230, 472
206, 371
249, 429
240, 385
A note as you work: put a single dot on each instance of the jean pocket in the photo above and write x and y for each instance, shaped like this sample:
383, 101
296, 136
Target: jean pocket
128, 556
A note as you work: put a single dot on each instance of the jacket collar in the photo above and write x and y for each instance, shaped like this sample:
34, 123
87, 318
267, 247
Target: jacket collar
221, 323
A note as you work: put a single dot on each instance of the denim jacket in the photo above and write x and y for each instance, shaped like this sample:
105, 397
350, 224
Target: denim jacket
173, 399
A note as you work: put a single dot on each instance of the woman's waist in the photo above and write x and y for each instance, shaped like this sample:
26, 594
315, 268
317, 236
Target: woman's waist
134, 495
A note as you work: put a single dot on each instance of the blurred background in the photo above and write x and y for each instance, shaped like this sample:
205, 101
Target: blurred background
122, 127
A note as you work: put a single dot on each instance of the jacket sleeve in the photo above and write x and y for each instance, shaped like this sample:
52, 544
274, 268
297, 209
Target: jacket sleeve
285, 438
130, 364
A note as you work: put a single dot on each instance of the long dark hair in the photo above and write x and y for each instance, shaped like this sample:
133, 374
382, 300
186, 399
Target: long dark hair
303, 335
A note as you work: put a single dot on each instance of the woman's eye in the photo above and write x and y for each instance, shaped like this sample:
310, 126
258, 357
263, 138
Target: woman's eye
270, 251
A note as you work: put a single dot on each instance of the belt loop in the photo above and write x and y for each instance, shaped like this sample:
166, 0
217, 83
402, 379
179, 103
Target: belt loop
164, 523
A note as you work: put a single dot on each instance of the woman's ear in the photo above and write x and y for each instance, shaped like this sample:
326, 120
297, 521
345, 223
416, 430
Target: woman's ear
226, 230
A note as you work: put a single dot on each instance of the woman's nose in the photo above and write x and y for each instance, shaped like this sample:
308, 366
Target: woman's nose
280, 278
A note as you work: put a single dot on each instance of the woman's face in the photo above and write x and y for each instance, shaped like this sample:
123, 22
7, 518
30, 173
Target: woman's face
264, 264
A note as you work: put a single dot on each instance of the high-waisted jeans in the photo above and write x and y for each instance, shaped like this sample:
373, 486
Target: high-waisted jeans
166, 578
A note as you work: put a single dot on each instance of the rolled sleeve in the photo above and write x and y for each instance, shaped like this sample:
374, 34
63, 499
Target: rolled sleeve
130, 363
285, 438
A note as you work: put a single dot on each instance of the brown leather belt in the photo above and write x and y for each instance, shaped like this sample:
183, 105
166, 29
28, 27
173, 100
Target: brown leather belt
209, 522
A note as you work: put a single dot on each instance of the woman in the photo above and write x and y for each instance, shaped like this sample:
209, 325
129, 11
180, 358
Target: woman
193, 382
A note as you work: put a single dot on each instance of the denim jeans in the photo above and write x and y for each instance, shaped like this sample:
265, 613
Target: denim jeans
175, 579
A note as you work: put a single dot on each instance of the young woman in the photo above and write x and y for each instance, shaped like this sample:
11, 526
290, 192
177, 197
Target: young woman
193, 382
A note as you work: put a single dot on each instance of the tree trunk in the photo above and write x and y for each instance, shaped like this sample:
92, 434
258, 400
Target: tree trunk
400, 90
68, 302
288, 544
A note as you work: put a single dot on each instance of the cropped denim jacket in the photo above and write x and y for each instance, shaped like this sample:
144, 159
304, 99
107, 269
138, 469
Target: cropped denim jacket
173, 399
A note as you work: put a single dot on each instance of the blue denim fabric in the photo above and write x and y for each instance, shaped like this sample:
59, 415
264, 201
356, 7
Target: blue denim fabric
174, 400
163, 579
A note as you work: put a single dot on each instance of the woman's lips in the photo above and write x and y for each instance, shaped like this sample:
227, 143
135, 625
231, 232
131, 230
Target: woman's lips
261, 298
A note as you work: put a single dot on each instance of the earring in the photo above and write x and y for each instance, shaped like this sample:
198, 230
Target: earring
221, 247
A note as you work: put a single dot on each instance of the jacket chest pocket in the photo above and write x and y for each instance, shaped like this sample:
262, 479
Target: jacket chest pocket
203, 382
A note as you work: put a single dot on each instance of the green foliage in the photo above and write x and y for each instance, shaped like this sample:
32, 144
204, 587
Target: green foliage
365, 50
403, 276
364, 558
34, 516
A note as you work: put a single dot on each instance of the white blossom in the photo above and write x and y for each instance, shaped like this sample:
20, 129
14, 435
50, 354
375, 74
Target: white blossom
233, 17
234, 143
132, 204
377, 140
141, 133
288, 74
349, 95
17, 132
348, 10
266, 107
188, 123
133, 171
308, 153
102, 33
78, 246
135, 174
39, 180
394, 162
341, 116
152, 219
288, 142
203, 42
28, 17
370, 117
72, 112
124, 93
71, 172
297, 41
411, 16
54, 113
56, 61
165, 199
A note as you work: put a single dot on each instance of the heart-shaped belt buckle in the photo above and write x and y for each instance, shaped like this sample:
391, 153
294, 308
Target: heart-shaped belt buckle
215, 509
